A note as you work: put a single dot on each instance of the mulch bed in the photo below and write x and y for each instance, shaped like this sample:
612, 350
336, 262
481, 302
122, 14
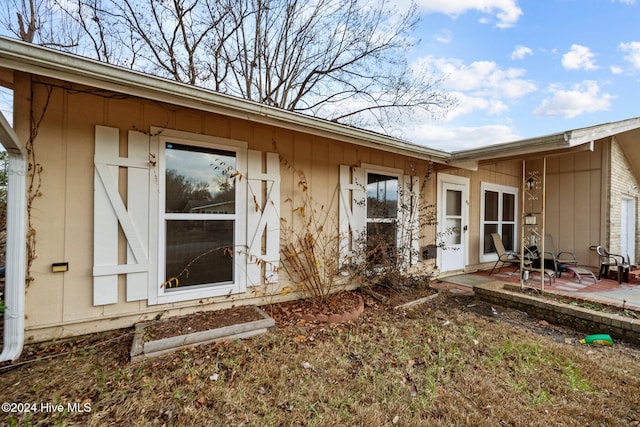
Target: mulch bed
202, 321
340, 302
286, 314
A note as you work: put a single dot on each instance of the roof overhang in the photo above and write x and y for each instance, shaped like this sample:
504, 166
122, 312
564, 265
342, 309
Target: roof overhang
573, 140
59, 65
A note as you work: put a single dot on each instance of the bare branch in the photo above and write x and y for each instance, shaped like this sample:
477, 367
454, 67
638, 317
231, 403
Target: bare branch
342, 60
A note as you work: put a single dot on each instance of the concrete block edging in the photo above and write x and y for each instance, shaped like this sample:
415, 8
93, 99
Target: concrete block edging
579, 318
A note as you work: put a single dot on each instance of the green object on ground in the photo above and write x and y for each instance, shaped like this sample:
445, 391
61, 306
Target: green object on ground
597, 339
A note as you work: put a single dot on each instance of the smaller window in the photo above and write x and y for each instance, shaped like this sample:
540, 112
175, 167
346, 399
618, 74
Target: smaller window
382, 214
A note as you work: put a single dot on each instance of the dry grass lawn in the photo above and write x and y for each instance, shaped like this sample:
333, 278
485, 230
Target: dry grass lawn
443, 363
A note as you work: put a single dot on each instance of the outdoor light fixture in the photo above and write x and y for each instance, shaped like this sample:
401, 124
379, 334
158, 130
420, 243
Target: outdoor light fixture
531, 183
530, 219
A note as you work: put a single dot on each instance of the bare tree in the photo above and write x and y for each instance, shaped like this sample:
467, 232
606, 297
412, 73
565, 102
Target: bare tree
40, 22
174, 37
342, 60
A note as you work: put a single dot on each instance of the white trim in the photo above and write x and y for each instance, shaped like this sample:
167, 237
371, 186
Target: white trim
43, 61
352, 214
38, 60
628, 203
500, 189
443, 178
159, 295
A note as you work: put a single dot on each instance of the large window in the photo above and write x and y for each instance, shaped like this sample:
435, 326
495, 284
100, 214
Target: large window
200, 217
200, 206
382, 217
498, 215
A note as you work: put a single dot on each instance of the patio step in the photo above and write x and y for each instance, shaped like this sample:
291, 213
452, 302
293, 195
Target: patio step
634, 276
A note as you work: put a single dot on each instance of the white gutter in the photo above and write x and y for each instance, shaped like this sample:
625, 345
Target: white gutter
15, 273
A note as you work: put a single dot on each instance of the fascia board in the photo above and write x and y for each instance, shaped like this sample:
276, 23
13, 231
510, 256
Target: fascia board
511, 149
544, 144
594, 133
45, 62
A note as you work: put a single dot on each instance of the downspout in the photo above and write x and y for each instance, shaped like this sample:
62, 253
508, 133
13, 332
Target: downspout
15, 276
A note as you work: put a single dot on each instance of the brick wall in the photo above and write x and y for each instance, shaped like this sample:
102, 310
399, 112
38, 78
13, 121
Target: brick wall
622, 182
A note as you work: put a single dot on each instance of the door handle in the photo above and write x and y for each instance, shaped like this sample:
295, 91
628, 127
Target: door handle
465, 228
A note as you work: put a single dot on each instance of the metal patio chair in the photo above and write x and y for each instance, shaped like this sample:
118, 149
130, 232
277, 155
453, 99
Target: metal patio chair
608, 260
504, 256
561, 260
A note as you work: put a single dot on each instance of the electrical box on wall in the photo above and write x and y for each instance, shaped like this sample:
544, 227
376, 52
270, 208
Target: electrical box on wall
60, 267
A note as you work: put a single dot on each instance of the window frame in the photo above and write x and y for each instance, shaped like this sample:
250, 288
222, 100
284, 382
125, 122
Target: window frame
393, 172
161, 295
501, 190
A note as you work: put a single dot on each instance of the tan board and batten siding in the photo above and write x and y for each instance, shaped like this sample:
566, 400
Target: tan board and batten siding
575, 188
62, 304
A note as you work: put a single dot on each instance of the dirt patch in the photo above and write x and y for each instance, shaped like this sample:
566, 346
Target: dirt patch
202, 321
393, 296
312, 309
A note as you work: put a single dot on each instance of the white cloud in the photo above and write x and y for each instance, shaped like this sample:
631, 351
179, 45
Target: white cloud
633, 53
520, 52
469, 104
6, 104
580, 99
507, 11
444, 37
579, 58
481, 78
625, 1
615, 69
454, 138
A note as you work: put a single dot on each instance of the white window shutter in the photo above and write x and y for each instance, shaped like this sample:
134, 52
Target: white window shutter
263, 218
353, 213
410, 224
110, 211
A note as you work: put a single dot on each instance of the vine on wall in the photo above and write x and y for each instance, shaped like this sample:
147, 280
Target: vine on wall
34, 175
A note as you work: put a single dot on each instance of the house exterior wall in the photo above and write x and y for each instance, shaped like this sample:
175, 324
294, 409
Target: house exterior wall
61, 212
61, 304
623, 184
576, 191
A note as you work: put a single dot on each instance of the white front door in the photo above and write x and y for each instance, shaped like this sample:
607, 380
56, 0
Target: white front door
453, 222
628, 229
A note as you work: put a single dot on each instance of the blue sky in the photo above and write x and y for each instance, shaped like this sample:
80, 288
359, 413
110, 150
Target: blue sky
521, 68
527, 68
